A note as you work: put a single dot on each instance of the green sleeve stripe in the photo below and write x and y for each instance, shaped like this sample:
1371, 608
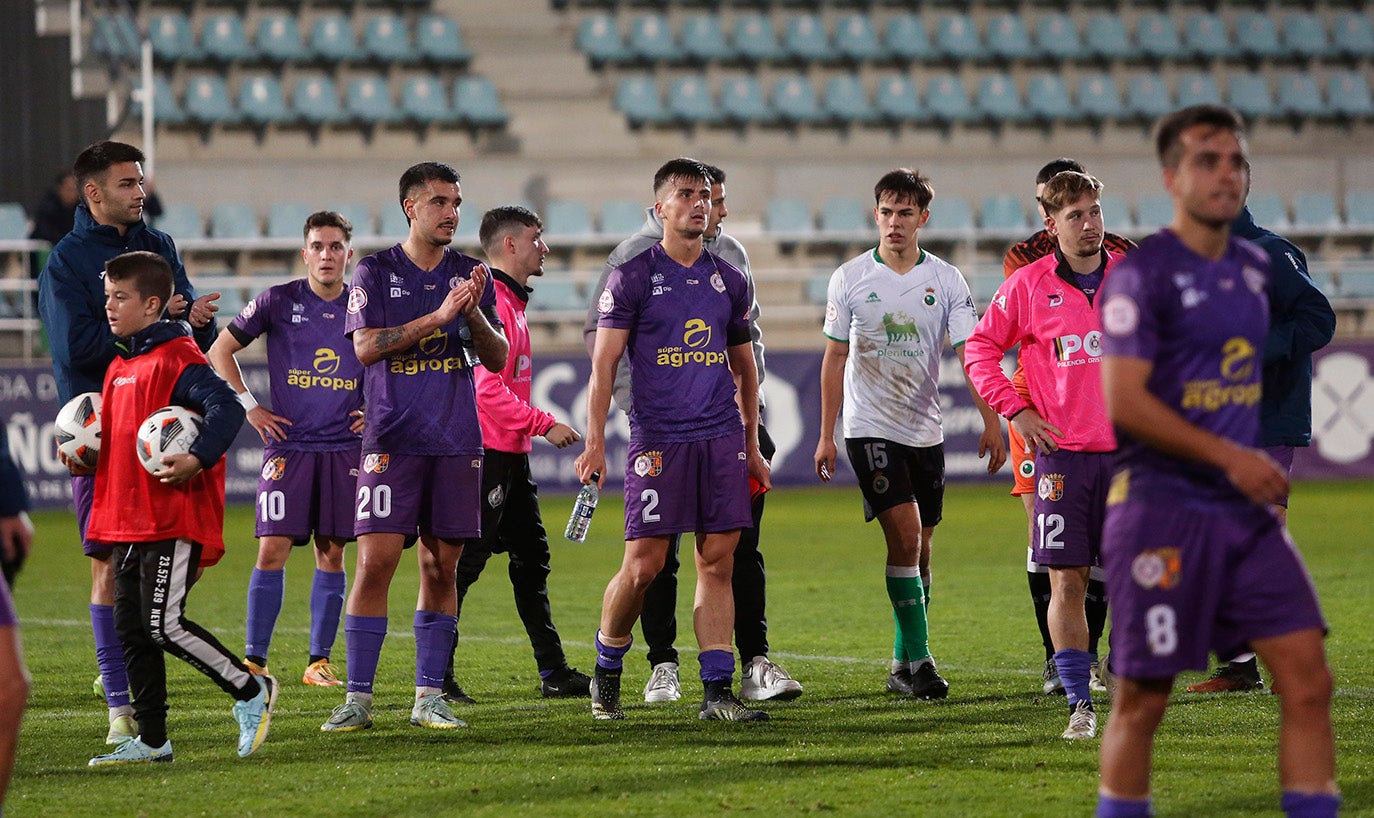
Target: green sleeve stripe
833, 338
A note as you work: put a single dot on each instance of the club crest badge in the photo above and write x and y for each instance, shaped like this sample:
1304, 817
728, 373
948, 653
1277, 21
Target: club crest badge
495, 497
1160, 568
606, 302
1051, 487
1027, 468
649, 464
376, 463
880, 483
357, 299
717, 282
274, 469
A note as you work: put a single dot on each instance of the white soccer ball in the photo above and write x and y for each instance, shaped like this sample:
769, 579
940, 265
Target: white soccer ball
169, 430
77, 429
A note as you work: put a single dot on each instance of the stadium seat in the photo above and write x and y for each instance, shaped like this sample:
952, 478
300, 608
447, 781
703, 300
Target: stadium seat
1116, 214
167, 109
1298, 95
1348, 95
13, 222
956, 39
794, 100
1154, 211
207, 101
387, 40
704, 39
439, 40
905, 37
599, 38
1147, 97
278, 38
234, 220
998, 101
982, 285
1104, 37
1056, 36
817, 288
1098, 97
1352, 35
1204, 37
1269, 210
332, 39
222, 38
1315, 211
1002, 213
621, 218
690, 101
1359, 209
477, 102
115, 36
895, 100
567, 219
1156, 37
393, 222
1197, 88
1249, 94
286, 220
788, 217
855, 39
846, 215
754, 39
180, 220
951, 214
947, 100
742, 102
804, 39
316, 101
651, 39
637, 98
170, 34
1256, 36
1047, 100
359, 215
1008, 38
557, 295
1304, 36
846, 101
261, 102
369, 101
423, 100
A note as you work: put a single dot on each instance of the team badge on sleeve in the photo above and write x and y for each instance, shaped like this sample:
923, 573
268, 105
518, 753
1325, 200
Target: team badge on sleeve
1120, 315
1254, 279
249, 308
376, 463
357, 299
606, 302
831, 312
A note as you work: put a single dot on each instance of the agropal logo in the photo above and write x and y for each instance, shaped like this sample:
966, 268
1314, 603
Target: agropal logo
326, 361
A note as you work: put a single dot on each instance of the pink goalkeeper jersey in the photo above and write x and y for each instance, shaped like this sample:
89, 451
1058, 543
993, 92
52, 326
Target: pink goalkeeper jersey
503, 399
1061, 353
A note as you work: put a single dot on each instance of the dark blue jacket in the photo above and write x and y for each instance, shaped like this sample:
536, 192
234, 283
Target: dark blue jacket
71, 299
14, 495
199, 388
1301, 322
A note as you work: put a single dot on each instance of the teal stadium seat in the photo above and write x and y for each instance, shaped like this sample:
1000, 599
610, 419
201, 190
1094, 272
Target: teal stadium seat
1348, 95
1204, 37
1147, 98
567, 219
115, 37
424, 101
638, 99
1047, 99
896, 101
1197, 88
690, 101
316, 100
477, 102
788, 218
956, 39
855, 39
742, 102
1359, 209
170, 34
845, 215
167, 108
332, 39
387, 39
261, 101
1098, 97
1268, 209
754, 39
369, 101
1002, 213
1156, 37
599, 38
1315, 211
1352, 35
439, 40
1008, 38
804, 39
846, 102
180, 220
278, 38
651, 39
704, 39
906, 38
234, 220
393, 222
1256, 36
1104, 38
1304, 36
1056, 37
1249, 94
207, 101
359, 215
223, 39
1116, 214
998, 101
794, 100
1154, 211
286, 220
817, 288
557, 295
1298, 95
13, 222
946, 100
951, 215
621, 218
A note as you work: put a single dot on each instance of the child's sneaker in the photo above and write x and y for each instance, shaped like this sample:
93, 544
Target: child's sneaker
134, 751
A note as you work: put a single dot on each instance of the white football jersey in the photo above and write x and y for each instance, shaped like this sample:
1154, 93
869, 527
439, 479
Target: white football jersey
896, 325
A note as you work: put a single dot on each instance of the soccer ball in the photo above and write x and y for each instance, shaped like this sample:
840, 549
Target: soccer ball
169, 430
77, 429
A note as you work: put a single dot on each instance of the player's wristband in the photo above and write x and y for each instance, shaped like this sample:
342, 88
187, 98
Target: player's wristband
249, 402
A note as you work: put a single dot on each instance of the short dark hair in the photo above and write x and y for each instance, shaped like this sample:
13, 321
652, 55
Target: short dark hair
1170, 127
499, 221
905, 185
100, 157
717, 175
1063, 189
682, 167
150, 273
417, 175
1057, 167
328, 218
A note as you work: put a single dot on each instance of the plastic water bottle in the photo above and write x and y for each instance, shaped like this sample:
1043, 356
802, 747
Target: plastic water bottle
581, 518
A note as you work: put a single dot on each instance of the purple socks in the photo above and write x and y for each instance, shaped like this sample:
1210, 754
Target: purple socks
326, 604
434, 635
265, 592
109, 655
365, 635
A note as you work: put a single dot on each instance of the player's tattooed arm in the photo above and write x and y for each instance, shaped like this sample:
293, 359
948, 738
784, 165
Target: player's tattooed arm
491, 346
371, 344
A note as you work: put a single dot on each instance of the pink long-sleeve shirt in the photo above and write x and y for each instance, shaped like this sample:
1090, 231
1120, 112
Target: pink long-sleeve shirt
1061, 353
507, 417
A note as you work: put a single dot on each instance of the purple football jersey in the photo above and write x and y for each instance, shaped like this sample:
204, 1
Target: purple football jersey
1201, 324
681, 319
316, 379
421, 401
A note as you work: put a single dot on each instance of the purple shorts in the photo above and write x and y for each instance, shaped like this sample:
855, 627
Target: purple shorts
1186, 578
1283, 455
680, 488
8, 618
303, 493
83, 495
409, 494
1070, 503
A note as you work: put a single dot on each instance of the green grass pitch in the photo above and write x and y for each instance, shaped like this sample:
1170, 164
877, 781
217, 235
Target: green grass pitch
846, 747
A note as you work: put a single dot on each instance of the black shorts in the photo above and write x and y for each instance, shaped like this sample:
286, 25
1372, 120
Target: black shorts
892, 473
